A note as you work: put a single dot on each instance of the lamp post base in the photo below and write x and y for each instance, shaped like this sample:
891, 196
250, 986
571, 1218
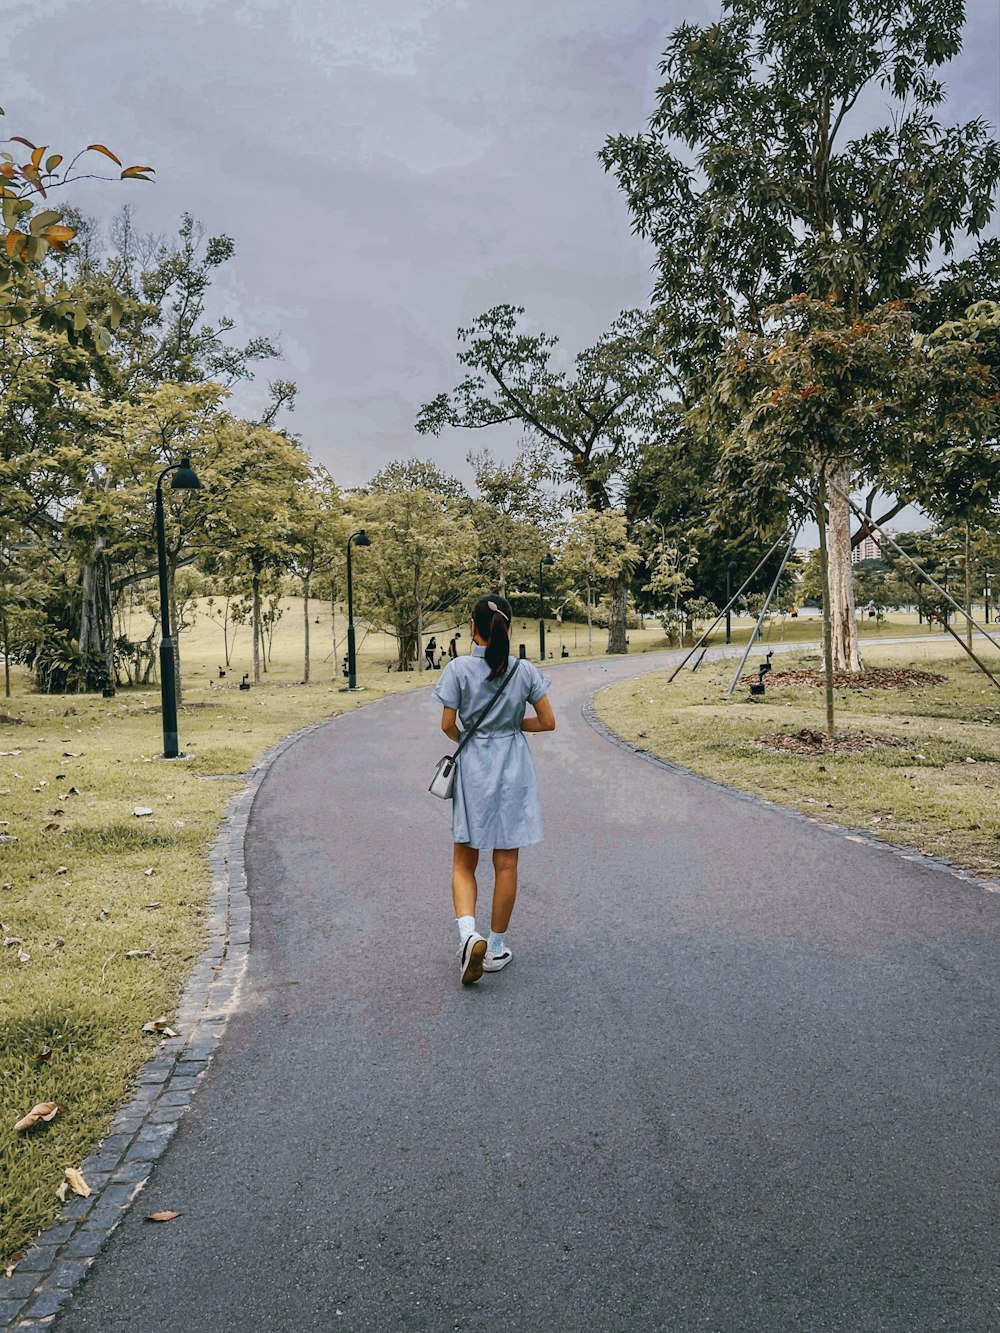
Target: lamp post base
351, 689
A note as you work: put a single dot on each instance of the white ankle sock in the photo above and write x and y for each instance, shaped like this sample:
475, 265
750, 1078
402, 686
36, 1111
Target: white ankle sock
495, 943
466, 927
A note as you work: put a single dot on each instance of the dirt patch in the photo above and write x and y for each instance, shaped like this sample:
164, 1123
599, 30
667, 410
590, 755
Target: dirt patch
817, 742
879, 678
8, 720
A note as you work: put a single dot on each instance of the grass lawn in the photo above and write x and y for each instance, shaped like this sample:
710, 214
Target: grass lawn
937, 793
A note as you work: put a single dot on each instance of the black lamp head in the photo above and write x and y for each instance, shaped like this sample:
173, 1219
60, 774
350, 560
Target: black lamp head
362, 539
548, 560
185, 478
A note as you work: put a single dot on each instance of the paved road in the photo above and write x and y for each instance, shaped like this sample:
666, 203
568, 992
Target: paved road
742, 1074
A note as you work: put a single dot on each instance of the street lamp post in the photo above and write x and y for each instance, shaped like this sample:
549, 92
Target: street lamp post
986, 599
729, 624
184, 479
359, 538
545, 560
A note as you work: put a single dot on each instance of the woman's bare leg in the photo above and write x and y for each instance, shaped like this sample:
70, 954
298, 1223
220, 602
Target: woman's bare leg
463, 879
505, 887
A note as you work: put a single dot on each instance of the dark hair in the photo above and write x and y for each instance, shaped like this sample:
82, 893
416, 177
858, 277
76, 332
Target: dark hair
491, 616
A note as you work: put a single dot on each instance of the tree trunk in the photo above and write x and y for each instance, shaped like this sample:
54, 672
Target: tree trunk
840, 581
255, 585
968, 586
6, 657
305, 622
617, 614
175, 624
824, 564
333, 627
590, 622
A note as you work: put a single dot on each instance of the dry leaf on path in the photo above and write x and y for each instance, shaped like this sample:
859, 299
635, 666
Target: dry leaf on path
62, 1189
160, 1027
43, 1111
165, 1216
77, 1183
15, 1259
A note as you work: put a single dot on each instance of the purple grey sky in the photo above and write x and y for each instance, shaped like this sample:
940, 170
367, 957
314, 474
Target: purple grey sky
389, 169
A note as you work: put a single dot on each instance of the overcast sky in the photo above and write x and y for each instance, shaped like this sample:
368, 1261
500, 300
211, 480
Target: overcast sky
388, 168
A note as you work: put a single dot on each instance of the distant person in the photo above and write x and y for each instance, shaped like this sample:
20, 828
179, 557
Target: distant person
565, 651
794, 613
430, 652
872, 610
453, 645
495, 807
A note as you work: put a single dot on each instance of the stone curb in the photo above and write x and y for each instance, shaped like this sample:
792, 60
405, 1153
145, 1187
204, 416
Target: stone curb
910, 854
118, 1168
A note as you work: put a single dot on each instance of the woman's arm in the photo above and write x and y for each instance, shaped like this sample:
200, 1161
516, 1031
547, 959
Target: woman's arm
544, 719
449, 723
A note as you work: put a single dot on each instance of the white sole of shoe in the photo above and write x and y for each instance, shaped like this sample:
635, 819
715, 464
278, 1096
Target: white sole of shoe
497, 964
472, 960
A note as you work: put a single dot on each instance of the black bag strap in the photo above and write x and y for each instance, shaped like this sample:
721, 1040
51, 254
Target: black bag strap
469, 732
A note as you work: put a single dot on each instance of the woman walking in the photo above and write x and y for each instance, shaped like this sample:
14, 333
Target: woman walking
495, 805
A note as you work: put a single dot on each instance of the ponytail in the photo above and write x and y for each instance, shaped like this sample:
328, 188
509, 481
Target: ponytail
491, 615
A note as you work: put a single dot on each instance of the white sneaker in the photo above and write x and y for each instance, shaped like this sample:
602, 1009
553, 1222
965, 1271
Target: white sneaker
494, 962
470, 958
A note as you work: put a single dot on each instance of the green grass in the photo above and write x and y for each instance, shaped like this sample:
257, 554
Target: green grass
926, 795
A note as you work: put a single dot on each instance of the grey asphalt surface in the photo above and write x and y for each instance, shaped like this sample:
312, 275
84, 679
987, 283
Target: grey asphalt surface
742, 1074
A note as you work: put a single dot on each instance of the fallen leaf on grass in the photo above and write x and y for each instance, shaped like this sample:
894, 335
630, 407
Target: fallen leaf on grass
160, 1027
5, 753
138, 953
150, 907
141, 810
72, 754
149, 871
44, 1056
23, 957
62, 870
165, 1216
11, 940
77, 1183
43, 1111
49, 828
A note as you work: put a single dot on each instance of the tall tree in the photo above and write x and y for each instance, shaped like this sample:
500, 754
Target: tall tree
590, 420
757, 181
515, 517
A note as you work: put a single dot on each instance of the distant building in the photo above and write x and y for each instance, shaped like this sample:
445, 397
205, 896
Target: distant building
869, 549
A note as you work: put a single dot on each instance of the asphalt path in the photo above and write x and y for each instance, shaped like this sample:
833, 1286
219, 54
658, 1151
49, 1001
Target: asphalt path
742, 1073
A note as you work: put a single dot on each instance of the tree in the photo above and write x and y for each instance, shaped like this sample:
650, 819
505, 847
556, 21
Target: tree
756, 183
820, 394
514, 517
318, 537
590, 421
250, 532
598, 551
421, 561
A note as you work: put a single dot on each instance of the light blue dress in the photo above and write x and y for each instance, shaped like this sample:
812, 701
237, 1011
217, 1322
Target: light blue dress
496, 796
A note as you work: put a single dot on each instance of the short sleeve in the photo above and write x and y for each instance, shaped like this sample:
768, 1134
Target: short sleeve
447, 691
538, 685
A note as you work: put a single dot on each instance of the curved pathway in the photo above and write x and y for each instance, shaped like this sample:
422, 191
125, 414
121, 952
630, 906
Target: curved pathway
742, 1074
